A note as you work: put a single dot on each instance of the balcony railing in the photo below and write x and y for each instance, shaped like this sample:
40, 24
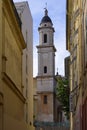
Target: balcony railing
74, 16
51, 124
73, 35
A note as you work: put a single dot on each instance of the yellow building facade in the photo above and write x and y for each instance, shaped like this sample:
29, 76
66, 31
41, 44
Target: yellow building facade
35, 98
75, 43
12, 44
27, 59
84, 66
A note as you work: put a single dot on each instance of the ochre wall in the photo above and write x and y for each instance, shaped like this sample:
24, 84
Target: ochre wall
11, 45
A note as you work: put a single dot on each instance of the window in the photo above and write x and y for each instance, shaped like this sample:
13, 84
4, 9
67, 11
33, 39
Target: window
26, 64
26, 36
86, 29
59, 114
26, 112
45, 38
45, 69
26, 88
84, 113
45, 99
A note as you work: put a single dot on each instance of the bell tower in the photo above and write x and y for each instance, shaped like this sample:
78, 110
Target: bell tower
46, 70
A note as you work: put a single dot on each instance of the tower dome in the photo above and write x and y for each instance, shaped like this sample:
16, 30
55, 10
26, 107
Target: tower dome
46, 18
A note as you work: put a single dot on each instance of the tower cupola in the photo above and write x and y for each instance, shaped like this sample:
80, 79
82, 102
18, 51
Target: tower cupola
46, 30
46, 18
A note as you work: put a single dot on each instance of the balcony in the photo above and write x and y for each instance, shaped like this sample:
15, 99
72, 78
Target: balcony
74, 98
74, 16
73, 35
52, 125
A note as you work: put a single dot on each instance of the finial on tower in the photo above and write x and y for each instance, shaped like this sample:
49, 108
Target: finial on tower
46, 11
46, 5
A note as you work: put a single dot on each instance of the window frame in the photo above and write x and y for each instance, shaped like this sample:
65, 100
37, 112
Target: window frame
45, 69
45, 38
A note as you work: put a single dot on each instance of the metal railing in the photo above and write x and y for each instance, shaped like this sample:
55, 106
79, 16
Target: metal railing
51, 124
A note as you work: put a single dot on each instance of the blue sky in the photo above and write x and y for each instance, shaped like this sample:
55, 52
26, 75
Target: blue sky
57, 13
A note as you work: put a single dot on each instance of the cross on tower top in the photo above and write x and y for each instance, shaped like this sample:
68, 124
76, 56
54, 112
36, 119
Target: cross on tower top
46, 5
46, 11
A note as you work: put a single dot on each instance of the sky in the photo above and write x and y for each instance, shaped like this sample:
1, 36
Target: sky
57, 13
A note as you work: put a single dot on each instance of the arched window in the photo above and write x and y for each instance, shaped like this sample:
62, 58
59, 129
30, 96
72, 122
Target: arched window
45, 38
45, 69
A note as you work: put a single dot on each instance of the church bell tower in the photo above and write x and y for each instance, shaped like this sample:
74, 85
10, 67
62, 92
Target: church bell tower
46, 70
